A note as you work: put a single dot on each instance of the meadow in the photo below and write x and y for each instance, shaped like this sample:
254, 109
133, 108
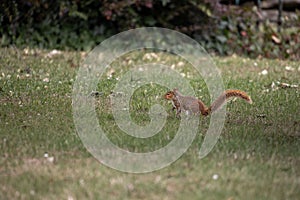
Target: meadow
42, 157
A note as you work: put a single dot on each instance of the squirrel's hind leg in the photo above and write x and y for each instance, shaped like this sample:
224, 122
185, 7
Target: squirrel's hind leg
178, 111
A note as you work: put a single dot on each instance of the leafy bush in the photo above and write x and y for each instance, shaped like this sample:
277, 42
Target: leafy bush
248, 37
51, 24
72, 24
81, 25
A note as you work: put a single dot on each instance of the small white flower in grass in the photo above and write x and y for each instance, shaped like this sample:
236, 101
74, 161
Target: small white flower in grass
70, 197
189, 75
110, 73
151, 56
274, 86
215, 177
46, 80
255, 64
180, 64
53, 53
235, 156
26, 51
157, 179
263, 72
266, 91
50, 159
81, 182
46, 155
289, 68
294, 86
154, 55
147, 56
248, 156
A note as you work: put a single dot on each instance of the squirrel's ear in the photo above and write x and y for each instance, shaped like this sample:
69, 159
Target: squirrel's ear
175, 89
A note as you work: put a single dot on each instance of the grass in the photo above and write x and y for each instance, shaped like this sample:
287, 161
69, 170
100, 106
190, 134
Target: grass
257, 155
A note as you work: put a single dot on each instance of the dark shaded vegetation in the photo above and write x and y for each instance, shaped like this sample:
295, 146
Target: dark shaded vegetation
224, 29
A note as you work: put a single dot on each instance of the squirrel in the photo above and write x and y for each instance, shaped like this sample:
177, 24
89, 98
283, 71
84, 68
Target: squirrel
194, 105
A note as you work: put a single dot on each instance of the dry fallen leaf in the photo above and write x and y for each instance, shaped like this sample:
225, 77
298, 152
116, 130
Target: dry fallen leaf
286, 85
276, 39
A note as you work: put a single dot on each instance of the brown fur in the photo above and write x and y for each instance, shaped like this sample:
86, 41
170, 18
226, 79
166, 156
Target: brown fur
196, 106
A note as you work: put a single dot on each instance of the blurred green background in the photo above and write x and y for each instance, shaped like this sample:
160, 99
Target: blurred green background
253, 28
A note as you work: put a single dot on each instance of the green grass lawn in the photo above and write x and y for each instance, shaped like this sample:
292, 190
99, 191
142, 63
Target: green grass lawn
257, 155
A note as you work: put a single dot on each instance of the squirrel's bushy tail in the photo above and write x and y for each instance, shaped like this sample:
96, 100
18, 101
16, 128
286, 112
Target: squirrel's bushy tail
226, 96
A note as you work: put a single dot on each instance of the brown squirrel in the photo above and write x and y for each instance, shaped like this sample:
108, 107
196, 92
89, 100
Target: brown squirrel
194, 105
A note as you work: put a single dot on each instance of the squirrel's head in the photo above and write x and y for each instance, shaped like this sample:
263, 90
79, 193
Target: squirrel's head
169, 95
